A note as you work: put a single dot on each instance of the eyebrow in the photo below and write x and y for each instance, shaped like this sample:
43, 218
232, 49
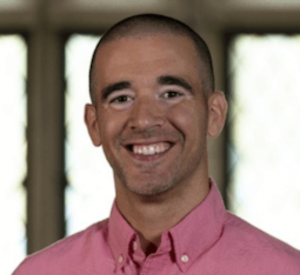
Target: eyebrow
174, 80
114, 87
162, 80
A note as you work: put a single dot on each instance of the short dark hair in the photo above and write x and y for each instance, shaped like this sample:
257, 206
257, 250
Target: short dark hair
153, 23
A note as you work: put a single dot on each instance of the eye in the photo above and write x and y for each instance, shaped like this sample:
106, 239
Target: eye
121, 99
172, 94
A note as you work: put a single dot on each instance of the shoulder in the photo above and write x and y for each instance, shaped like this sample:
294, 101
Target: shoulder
260, 248
69, 255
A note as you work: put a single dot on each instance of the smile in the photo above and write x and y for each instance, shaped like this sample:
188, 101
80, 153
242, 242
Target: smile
151, 149
149, 152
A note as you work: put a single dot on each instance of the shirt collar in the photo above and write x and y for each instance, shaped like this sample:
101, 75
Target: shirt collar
199, 230
193, 236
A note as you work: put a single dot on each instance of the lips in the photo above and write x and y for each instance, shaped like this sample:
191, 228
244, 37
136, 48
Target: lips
149, 151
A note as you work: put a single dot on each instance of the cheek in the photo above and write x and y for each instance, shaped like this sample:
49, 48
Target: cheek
185, 117
191, 121
111, 126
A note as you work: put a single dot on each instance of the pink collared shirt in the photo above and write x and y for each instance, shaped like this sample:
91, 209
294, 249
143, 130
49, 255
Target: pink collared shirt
208, 241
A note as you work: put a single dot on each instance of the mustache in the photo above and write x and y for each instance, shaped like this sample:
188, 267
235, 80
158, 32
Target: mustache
151, 133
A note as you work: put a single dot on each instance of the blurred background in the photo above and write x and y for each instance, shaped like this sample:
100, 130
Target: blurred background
55, 183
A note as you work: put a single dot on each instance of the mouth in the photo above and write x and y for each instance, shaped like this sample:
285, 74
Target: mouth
149, 152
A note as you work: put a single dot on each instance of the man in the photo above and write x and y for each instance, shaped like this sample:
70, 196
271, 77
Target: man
153, 106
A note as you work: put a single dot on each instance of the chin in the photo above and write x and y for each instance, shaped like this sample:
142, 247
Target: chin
149, 187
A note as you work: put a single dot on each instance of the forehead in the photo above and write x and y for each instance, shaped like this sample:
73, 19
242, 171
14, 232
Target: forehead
146, 55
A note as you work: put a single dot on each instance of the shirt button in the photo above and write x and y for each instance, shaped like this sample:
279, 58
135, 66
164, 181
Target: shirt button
184, 258
120, 259
134, 246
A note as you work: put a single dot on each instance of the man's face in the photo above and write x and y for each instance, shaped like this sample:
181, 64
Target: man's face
151, 115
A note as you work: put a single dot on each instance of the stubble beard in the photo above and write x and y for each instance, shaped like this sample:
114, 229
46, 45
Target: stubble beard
150, 183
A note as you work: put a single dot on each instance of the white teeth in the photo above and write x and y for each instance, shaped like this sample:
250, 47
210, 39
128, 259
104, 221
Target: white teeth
151, 149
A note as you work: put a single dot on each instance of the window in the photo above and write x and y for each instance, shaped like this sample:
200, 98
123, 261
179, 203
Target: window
13, 148
90, 191
264, 146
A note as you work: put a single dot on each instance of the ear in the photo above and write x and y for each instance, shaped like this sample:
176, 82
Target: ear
91, 121
217, 110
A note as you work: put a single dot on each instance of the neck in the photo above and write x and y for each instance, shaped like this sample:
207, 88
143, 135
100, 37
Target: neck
150, 216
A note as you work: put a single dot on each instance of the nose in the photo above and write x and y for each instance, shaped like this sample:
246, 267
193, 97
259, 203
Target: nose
146, 114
